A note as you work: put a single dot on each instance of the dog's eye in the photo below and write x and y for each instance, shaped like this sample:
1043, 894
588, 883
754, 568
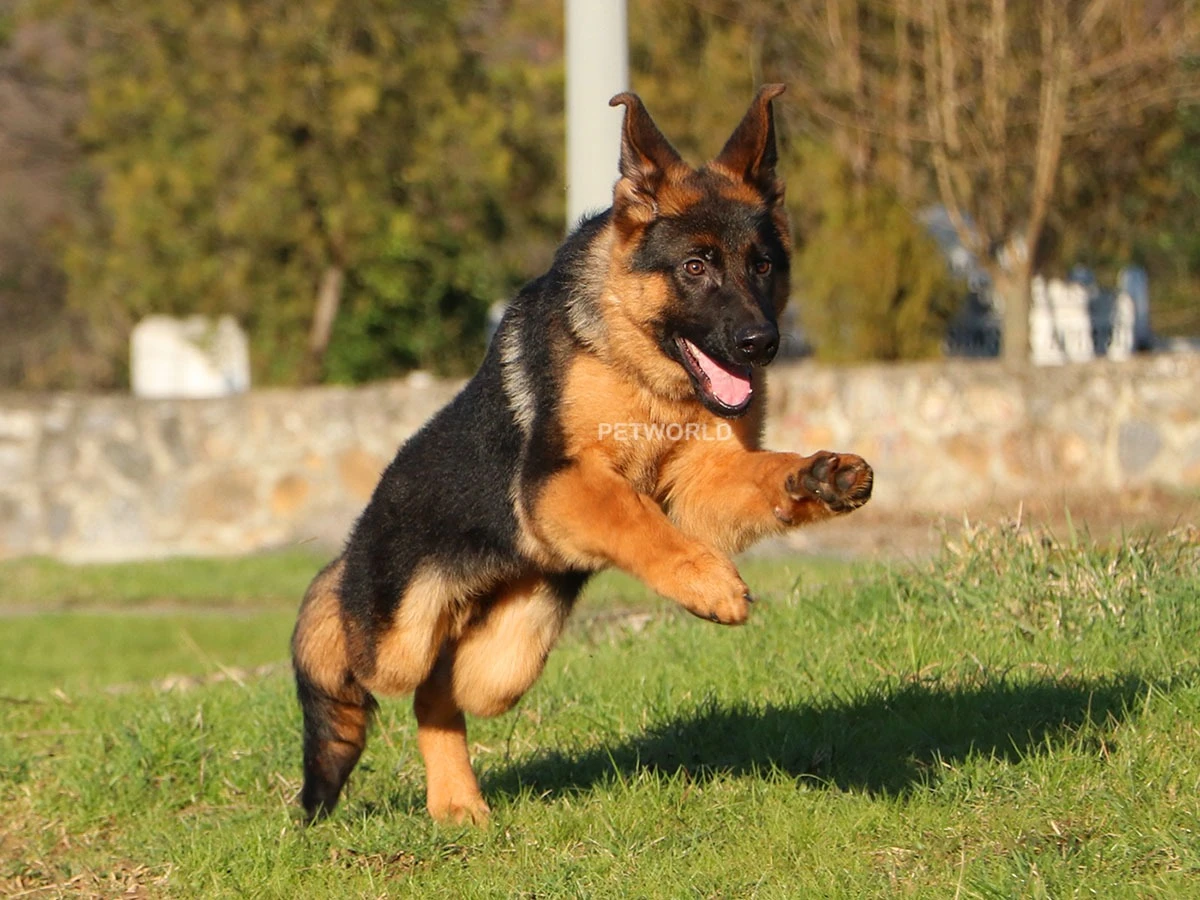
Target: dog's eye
694, 267
762, 267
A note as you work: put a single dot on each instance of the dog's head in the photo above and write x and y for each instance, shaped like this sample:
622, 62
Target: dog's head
713, 244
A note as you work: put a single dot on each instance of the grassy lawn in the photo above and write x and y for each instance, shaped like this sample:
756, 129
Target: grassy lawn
267, 580
1019, 718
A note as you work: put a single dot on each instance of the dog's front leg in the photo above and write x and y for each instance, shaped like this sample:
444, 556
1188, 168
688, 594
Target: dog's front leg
592, 517
729, 498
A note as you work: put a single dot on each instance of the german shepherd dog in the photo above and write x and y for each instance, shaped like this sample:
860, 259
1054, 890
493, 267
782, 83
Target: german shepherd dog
615, 421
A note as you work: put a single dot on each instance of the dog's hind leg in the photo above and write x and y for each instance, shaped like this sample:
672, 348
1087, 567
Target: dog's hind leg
498, 656
501, 654
336, 708
452, 793
340, 664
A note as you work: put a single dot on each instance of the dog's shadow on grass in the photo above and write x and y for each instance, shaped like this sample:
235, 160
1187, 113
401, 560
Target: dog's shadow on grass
894, 740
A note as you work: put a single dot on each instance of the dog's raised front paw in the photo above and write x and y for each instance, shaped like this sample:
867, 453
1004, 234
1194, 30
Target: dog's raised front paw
841, 481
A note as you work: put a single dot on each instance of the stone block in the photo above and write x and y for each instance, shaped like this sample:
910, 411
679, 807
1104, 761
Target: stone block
971, 453
226, 496
81, 475
289, 495
19, 425
1138, 445
1071, 452
130, 460
359, 472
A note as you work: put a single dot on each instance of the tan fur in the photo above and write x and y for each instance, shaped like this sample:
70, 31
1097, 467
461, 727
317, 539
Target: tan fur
732, 497
677, 196
349, 722
320, 652
319, 644
601, 511
628, 302
595, 518
451, 793
633, 210
585, 319
483, 668
500, 656
736, 189
425, 616
661, 509
433, 612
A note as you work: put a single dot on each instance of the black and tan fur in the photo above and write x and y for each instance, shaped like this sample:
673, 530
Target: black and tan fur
459, 575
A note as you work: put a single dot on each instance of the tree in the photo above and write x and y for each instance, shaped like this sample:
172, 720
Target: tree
985, 99
39, 97
693, 63
897, 306
342, 175
1170, 244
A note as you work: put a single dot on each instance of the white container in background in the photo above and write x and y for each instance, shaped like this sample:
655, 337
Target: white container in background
192, 357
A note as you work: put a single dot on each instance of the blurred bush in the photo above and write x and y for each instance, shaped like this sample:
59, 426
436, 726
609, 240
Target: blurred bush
870, 281
240, 154
359, 180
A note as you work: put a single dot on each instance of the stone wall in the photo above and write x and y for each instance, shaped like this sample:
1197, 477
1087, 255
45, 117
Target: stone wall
948, 437
103, 477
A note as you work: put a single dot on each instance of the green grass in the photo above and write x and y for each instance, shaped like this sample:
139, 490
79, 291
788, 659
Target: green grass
71, 628
268, 579
1020, 718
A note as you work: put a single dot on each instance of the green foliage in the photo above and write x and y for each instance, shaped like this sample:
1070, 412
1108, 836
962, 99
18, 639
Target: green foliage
238, 149
1135, 200
235, 151
235, 159
1171, 248
870, 281
692, 66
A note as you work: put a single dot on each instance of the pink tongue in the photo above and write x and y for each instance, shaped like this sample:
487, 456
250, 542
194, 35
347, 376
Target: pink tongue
730, 387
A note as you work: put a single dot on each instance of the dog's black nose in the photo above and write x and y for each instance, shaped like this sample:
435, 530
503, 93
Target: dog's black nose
757, 343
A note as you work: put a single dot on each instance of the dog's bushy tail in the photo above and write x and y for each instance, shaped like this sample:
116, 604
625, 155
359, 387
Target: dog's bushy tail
337, 709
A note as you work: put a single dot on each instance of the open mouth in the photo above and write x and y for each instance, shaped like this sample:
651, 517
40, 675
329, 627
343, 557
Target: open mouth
725, 388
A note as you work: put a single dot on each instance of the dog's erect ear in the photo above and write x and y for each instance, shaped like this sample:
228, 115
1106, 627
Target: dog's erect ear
646, 158
750, 152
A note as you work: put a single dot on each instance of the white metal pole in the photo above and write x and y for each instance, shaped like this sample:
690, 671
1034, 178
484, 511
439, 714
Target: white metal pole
597, 57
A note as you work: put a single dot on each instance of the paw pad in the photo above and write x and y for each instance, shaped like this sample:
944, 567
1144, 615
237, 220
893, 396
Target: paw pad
841, 481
